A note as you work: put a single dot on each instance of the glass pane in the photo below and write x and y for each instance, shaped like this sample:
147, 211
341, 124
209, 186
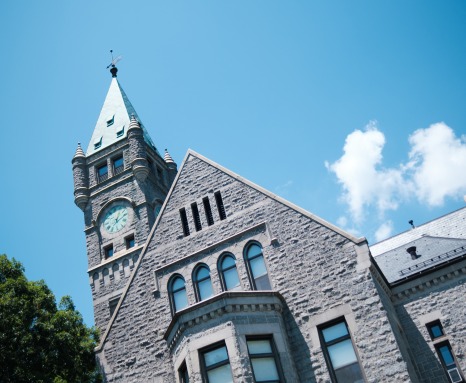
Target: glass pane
205, 289
180, 299
254, 250
215, 356
263, 283
227, 262
202, 273
259, 347
264, 369
349, 374
231, 278
436, 331
118, 162
334, 332
178, 283
446, 355
220, 375
342, 354
258, 267
103, 170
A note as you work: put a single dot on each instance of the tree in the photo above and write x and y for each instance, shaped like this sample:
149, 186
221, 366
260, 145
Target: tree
40, 342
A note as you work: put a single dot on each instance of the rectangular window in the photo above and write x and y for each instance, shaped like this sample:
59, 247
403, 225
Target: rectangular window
264, 360
447, 358
220, 207
118, 165
184, 221
102, 173
183, 373
435, 329
208, 211
216, 365
112, 304
129, 241
108, 250
197, 218
339, 353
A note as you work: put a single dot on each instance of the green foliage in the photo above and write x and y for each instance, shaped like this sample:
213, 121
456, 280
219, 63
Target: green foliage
38, 341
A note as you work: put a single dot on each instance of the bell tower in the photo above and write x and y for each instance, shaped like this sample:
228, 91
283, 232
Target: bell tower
120, 184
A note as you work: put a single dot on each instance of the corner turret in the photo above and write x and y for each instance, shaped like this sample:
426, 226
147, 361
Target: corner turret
137, 149
171, 166
81, 178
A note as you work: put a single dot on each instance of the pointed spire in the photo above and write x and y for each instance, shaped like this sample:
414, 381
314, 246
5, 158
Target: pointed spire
168, 158
79, 151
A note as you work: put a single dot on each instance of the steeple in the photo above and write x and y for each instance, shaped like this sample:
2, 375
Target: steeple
113, 122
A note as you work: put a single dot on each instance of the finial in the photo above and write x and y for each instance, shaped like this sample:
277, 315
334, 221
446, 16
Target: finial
168, 158
113, 68
79, 151
411, 222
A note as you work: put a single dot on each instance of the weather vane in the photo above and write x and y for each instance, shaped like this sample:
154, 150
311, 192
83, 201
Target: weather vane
114, 69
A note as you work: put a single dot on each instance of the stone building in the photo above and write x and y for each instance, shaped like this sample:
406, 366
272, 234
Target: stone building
199, 275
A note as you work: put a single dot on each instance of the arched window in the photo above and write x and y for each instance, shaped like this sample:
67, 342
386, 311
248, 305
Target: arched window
256, 268
203, 283
229, 274
177, 289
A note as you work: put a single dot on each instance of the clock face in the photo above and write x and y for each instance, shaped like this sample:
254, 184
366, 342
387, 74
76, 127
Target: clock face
115, 219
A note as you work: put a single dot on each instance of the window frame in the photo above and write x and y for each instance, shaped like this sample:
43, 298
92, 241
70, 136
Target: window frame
171, 293
128, 240
324, 345
184, 222
220, 205
430, 327
204, 368
118, 169
274, 354
196, 281
252, 278
101, 177
107, 249
183, 373
222, 271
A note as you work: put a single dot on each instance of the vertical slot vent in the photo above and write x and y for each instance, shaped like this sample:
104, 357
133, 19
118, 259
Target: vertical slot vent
208, 211
220, 206
197, 218
184, 222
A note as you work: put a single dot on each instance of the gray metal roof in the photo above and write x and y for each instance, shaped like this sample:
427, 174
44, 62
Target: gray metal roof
113, 122
397, 264
452, 225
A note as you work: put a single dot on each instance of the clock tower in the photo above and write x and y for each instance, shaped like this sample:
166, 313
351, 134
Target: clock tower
120, 184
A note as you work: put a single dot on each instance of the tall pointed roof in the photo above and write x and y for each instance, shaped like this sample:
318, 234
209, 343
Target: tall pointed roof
113, 122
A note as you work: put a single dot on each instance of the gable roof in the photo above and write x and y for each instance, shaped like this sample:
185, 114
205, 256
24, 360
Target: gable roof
281, 200
113, 122
433, 252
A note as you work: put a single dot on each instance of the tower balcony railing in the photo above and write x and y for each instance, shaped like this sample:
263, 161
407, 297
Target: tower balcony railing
118, 169
102, 177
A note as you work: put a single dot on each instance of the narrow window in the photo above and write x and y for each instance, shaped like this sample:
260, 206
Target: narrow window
184, 221
118, 165
102, 173
339, 353
208, 211
98, 143
435, 329
203, 283
177, 289
264, 360
256, 268
447, 358
216, 365
120, 132
129, 241
108, 250
229, 274
112, 304
183, 373
197, 218
220, 207
111, 121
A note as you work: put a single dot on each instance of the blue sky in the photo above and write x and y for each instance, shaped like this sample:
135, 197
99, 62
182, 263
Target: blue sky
353, 110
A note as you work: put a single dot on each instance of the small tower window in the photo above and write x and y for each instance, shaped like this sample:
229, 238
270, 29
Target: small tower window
184, 222
208, 211
129, 241
102, 173
111, 121
98, 143
108, 250
118, 165
220, 206
197, 218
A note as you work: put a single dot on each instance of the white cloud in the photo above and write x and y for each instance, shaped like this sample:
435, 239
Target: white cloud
438, 161
436, 170
364, 182
384, 231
